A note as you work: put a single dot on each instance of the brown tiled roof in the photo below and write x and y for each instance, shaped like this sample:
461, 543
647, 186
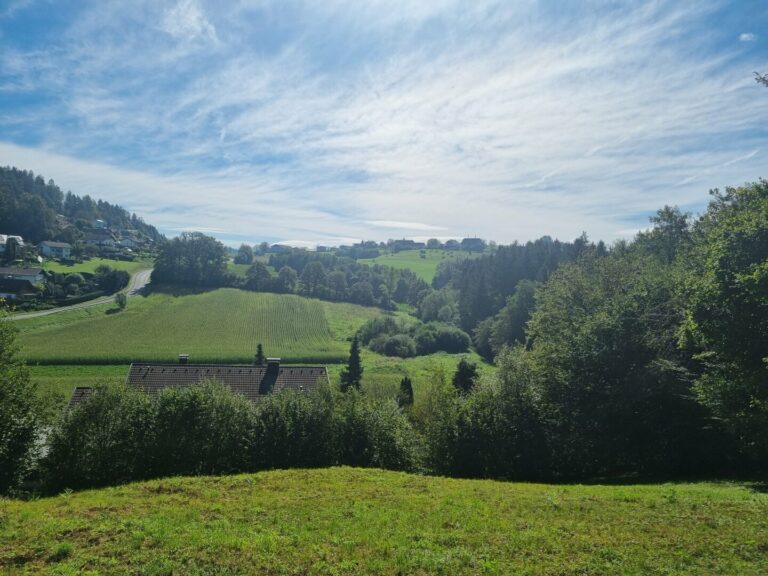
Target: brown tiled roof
250, 381
78, 395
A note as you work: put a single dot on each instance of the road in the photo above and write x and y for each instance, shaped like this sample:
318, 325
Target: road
136, 284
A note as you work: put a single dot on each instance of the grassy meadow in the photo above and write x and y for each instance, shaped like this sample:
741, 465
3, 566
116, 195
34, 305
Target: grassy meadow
91, 265
365, 521
222, 325
425, 267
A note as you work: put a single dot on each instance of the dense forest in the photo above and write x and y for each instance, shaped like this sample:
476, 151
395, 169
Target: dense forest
32, 208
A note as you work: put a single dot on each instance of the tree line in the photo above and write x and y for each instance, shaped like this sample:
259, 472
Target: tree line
32, 208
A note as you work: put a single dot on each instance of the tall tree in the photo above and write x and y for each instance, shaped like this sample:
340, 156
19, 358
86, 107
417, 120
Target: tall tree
465, 376
352, 374
244, 255
260, 359
19, 411
405, 394
192, 259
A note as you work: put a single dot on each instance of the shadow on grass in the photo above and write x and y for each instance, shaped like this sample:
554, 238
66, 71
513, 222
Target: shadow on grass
176, 290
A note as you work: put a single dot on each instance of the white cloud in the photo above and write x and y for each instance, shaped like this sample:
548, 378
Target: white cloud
470, 121
186, 21
747, 37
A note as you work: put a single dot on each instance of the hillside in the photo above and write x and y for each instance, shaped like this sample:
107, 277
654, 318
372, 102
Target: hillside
358, 521
425, 268
222, 325
40, 210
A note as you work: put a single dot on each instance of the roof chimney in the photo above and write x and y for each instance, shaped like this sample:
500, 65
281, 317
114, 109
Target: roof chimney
183, 358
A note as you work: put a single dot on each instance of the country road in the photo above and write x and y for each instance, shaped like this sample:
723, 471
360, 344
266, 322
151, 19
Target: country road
136, 284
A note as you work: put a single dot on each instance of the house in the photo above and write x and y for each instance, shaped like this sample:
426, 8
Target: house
99, 237
33, 275
60, 250
4, 240
16, 289
253, 382
98, 224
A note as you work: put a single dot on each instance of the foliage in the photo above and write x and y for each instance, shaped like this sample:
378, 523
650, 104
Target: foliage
106, 440
726, 313
353, 373
405, 393
19, 412
203, 429
191, 259
121, 300
465, 376
30, 206
244, 255
260, 359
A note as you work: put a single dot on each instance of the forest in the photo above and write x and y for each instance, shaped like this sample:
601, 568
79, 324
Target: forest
38, 210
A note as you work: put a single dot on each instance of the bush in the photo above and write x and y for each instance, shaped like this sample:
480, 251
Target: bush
19, 412
201, 430
105, 440
435, 337
293, 429
400, 345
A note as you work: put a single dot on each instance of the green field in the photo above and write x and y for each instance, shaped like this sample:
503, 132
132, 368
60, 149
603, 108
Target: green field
356, 521
91, 265
425, 267
223, 325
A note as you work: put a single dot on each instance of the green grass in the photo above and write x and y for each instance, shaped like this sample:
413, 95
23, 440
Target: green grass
218, 326
425, 268
346, 521
91, 265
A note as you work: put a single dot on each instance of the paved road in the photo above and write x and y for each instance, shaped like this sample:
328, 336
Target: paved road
136, 284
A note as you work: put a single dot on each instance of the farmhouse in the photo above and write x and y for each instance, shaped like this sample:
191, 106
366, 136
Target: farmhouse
253, 382
33, 275
55, 249
15, 289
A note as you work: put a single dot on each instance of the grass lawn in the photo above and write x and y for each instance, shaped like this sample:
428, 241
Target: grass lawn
425, 268
223, 325
93, 263
357, 521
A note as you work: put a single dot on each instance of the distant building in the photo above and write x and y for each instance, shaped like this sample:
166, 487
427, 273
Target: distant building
99, 237
4, 240
99, 224
16, 289
33, 275
279, 248
253, 382
55, 249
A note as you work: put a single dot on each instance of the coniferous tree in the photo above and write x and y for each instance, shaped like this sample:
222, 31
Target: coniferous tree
405, 395
353, 372
260, 359
465, 376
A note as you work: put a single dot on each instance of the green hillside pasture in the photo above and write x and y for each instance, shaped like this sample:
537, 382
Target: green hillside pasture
425, 268
218, 326
91, 265
354, 521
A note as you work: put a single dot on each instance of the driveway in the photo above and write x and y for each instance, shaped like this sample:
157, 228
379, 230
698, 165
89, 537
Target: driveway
135, 285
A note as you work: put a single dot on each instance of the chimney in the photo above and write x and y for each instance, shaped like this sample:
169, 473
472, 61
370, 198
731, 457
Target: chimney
183, 358
270, 376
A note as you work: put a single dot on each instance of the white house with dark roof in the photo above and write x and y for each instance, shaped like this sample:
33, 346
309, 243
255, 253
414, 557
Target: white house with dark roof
55, 249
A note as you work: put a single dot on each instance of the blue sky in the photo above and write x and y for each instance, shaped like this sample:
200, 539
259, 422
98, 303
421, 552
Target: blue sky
334, 121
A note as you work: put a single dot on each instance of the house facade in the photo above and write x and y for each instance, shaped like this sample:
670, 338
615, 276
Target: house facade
60, 250
33, 275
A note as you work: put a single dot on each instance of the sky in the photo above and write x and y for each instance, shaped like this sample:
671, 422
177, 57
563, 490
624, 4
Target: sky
332, 121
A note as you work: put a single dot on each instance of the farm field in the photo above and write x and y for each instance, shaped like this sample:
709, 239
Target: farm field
91, 265
366, 521
223, 325
425, 268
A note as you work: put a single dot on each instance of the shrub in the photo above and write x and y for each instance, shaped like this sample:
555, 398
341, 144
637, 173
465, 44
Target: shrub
202, 429
105, 440
435, 337
400, 345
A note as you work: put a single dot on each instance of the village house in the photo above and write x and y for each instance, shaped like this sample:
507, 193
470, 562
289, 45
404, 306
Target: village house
32, 275
253, 382
15, 289
60, 250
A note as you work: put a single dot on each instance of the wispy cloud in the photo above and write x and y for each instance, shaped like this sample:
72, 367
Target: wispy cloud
312, 121
747, 37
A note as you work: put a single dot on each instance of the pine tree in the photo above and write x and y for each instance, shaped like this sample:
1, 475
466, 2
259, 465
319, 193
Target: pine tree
465, 376
405, 395
353, 373
259, 361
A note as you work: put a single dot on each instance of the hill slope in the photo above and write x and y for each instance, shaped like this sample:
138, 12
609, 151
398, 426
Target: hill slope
354, 521
222, 325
